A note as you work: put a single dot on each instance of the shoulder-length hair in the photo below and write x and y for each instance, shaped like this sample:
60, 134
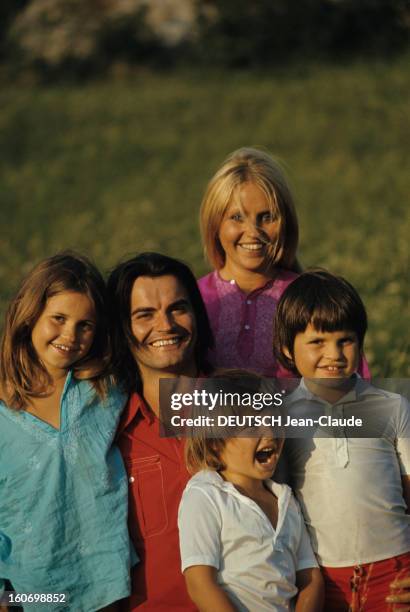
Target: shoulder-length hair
258, 167
22, 374
203, 450
120, 284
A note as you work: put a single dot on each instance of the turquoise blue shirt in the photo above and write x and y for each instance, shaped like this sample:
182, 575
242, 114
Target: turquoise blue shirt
63, 502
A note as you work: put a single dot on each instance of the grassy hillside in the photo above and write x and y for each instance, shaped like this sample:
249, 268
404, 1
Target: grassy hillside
116, 167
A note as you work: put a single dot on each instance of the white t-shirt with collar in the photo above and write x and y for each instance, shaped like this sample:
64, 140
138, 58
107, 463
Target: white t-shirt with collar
350, 488
257, 565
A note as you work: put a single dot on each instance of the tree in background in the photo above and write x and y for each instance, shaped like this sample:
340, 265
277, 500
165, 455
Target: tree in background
62, 36
79, 37
239, 32
8, 11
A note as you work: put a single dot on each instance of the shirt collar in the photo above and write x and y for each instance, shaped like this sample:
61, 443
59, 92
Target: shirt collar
282, 275
69, 379
214, 478
135, 409
139, 406
361, 388
282, 492
232, 282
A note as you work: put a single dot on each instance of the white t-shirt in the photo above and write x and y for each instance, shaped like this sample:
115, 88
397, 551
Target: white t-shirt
350, 488
257, 565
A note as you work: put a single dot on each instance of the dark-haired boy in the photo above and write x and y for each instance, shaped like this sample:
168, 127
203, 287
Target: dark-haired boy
354, 491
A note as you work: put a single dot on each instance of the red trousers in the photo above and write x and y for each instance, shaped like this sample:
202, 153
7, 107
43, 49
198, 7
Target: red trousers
363, 588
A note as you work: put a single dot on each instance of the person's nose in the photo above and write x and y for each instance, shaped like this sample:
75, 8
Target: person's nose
165, 321
333, 351
69, 332
251, 227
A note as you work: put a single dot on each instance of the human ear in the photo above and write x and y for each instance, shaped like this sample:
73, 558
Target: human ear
287, 353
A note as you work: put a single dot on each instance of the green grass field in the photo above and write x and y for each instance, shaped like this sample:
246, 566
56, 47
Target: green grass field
119, 166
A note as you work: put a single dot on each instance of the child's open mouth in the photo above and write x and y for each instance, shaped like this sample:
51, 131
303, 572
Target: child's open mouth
265, 457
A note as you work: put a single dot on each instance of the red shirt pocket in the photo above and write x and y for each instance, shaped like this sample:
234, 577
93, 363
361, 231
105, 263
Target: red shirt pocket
147, 508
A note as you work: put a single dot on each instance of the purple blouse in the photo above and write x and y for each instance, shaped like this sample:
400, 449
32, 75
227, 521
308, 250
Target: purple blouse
242, 324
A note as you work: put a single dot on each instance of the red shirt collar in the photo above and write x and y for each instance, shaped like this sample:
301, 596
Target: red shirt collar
135, 409
138, 405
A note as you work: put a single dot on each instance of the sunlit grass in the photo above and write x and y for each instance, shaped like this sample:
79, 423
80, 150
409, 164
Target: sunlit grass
116, 167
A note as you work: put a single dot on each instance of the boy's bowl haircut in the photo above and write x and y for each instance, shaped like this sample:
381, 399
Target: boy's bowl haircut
330, 303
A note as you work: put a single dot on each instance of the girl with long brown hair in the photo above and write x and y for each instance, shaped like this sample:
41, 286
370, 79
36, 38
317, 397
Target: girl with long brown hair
63, 489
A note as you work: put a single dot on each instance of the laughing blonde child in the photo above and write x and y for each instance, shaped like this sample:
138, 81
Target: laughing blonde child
243, 542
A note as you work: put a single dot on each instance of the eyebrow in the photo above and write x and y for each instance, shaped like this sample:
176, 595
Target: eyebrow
59, 313
142, 309
181, 302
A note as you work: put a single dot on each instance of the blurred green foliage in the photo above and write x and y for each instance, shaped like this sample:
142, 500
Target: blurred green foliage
243, 33
120, 166
60, 38
8, 11
56, 39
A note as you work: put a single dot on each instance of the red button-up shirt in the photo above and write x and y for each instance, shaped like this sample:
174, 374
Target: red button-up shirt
157, 477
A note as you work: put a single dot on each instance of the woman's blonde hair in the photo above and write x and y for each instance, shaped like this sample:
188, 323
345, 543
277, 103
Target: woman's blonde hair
22, 374
258, 167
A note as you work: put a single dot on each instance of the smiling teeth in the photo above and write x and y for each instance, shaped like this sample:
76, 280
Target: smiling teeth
252, 247
63, 347
159, 343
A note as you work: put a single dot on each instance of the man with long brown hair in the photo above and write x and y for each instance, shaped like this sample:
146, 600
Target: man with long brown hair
160, 330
